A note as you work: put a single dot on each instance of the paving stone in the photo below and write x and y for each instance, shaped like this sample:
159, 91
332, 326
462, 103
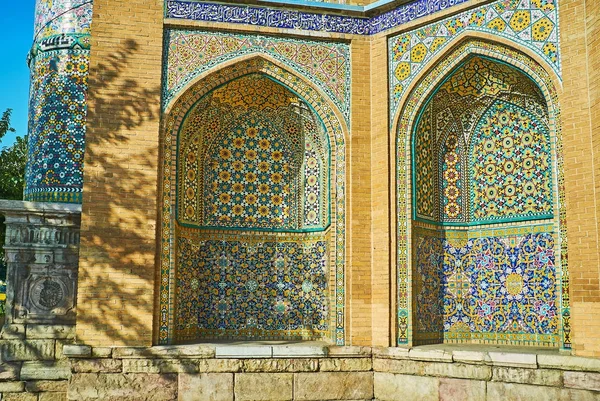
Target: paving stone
470, 356
279, 365
345, 364
12, 387
394, 387
263, 386
460, 389
171, 351
205, 387
42, 331
39, 370
122, 387
542, 377
582, 380
9, 371
244, 351
430, 355
349, 351
77, 351
333, 386
298, 351
26, 350
97, 365
513, 359
39, 386
391, 352
565, 362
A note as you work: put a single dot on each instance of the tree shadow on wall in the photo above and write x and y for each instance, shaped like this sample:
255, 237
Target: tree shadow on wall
118, 241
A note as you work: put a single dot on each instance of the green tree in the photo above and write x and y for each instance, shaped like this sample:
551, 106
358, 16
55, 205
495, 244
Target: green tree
12, 177
12, 162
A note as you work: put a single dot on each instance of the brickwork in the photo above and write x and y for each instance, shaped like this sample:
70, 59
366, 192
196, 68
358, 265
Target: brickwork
579, 101
360, 278
116, 291
380, 193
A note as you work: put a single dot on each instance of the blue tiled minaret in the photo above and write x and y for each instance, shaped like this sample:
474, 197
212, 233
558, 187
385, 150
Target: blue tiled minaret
59, 65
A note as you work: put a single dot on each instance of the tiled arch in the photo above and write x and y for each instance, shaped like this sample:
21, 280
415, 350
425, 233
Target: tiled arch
336, 130
402, 127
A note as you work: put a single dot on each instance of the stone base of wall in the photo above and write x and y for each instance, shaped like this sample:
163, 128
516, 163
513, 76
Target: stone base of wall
306, 372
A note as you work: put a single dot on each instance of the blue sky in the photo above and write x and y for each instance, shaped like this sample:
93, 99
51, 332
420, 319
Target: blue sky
16, 26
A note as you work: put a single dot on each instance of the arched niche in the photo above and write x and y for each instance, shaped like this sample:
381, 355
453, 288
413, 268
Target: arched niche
486, 248
251, 225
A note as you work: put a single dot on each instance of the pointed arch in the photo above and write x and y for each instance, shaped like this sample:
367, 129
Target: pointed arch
403, 125
329, 242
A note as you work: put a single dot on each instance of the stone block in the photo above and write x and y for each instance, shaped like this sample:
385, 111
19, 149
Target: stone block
77, 351
12, 387
391, 352
13, 332
53, 397
160, 366
122, 387
460, 389
26, 350
394, 387
333, 386
97, 365
470, 356
434, 355
345, 365
397, 366
102, 352
219, 365
565, 362
43, 386
457, 370
521, 392
9, 371
206, 387
263, 386
513, 359
38, 370
298, 351
243, 351
50, 331
541, 377
279, 365
19, 397
582, 380
349, 351
171, 351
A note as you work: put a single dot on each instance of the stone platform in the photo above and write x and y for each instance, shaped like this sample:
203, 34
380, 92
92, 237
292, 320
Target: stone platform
305, 371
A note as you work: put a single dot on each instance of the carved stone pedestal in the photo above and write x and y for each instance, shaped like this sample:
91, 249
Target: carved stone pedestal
42, 248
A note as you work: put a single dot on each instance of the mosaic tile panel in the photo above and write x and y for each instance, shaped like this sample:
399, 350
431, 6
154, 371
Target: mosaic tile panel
511, 170
244, 146
191, 53
300, 20
530, 23
57, 17
252, 289
412, 109
59, 63
503, 171
57, 112
499, 289
171, 232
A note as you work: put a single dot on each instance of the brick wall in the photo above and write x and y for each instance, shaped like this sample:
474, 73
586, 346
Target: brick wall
579, 19
118, 233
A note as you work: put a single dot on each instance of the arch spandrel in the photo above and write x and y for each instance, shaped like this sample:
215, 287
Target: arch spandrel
304, 260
